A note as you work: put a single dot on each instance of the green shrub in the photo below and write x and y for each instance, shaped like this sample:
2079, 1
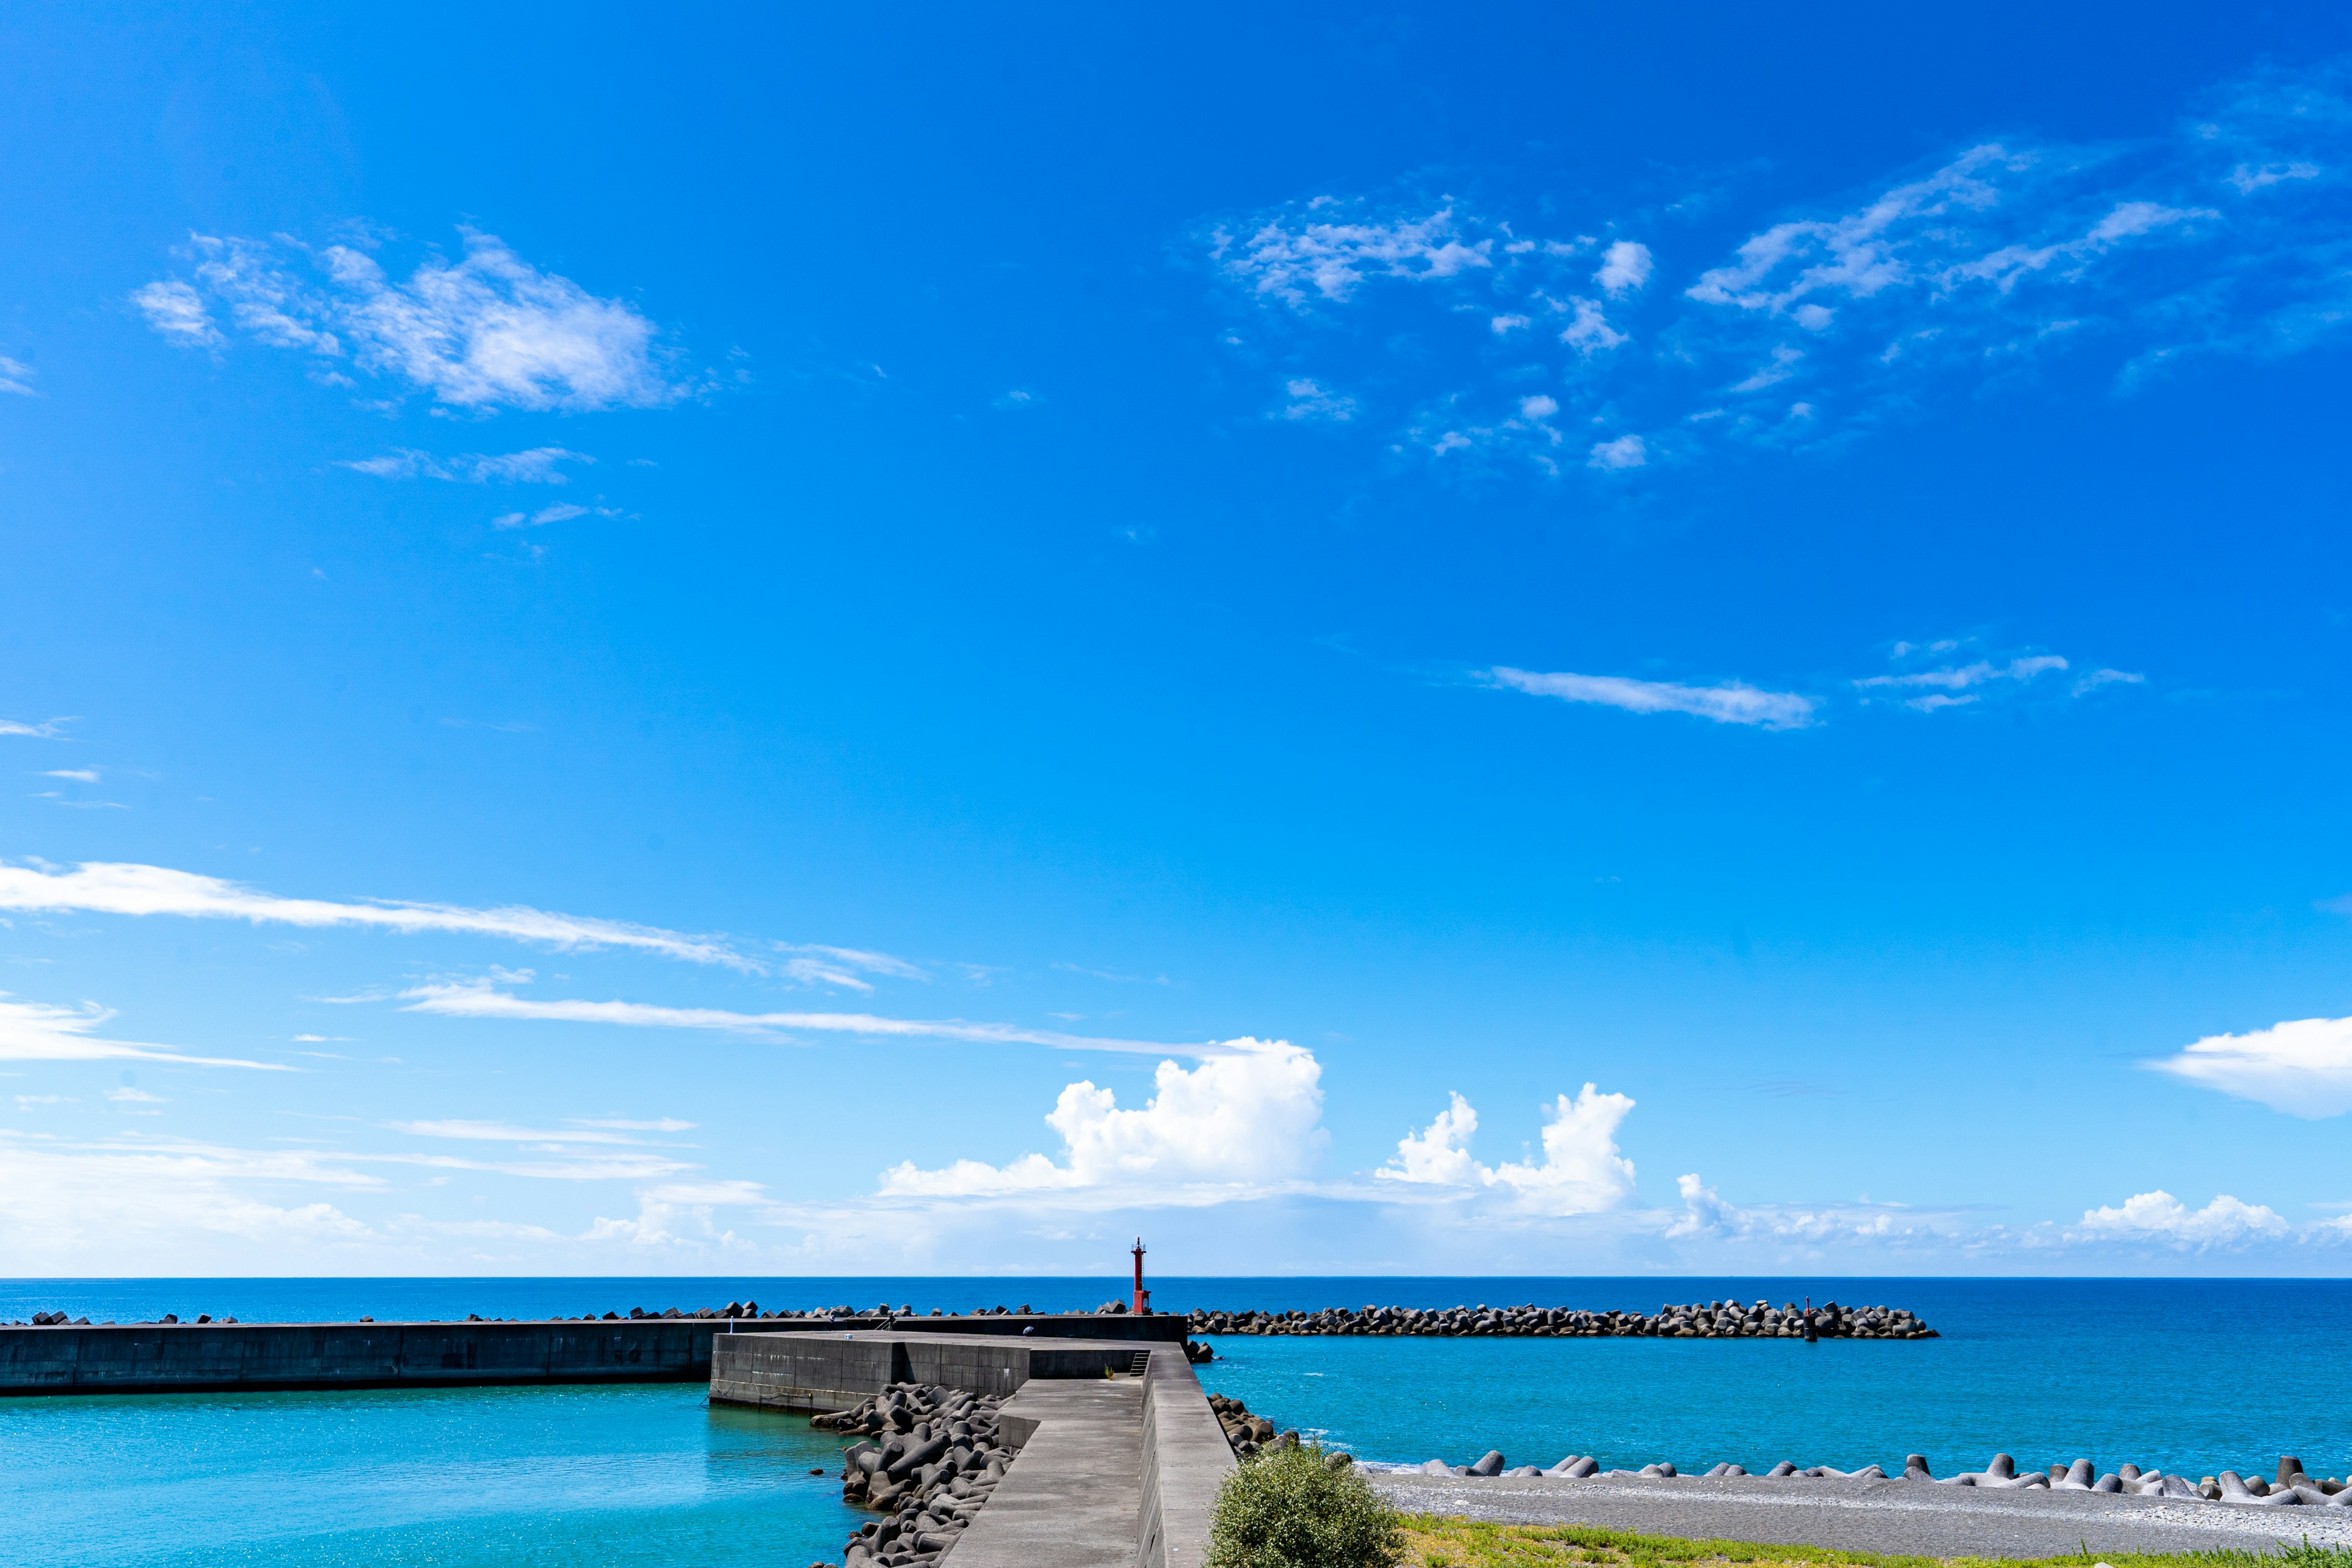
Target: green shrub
1299, 1508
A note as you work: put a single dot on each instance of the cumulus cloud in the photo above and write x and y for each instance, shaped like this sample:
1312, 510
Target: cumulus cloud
1624, 266
37, 1031
2158, 1217
483, 998
538, 466
1581, 1173
1238, 1121
1733, 702
2303, 1067
487, 330
1624, 452
125, 888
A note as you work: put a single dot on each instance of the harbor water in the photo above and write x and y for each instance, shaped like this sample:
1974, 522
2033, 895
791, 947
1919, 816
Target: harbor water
2188, 1375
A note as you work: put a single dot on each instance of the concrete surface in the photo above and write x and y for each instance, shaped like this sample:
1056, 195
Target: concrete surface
192, 1358
1914, 1516
1072, 1499
808, 1373
1185, 1462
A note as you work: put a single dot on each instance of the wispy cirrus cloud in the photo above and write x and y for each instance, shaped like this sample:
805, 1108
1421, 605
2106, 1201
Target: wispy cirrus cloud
486, 998
605, 1133
1929, 678
49, 731
1731, 703
2225, 235
41, 1032
125, 889
15, 378
484, 331
537, 466
816, 964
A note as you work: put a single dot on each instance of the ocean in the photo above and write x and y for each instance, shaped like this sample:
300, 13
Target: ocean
2193, 1375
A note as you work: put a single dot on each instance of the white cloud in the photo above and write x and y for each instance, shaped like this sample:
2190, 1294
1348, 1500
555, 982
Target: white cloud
1240, 1119
814, 963
489, 330
1539, 406
1707, 1217
2226, 238
131, 1196
1625, 268
1624, 452
1588, 331
135, 1097
1962, 685
47, 731
1438, 1155
1306, 252
37, 1032
538, 466
483, 999
1581, 1173
104, 888
79, 775
2160, 1216
1782, 365
506, 1132
1733, 702
563, 512
2303, 1067
177, 312
1309, 399
15, 377
2250, 179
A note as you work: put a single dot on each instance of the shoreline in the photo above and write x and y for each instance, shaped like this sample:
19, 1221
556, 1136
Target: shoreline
1894, 1516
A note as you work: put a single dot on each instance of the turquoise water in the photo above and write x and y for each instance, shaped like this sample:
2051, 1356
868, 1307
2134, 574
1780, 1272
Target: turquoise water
2188, 1375
613, 1476
2192, 1374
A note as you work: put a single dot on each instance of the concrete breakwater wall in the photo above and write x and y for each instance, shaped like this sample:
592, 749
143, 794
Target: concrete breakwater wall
213, 1357
1698, 1321
192, 1358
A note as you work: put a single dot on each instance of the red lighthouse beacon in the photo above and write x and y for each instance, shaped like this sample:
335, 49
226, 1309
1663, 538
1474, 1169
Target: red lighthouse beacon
1143, 1296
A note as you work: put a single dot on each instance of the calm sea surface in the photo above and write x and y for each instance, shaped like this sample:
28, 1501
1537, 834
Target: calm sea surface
2193, 1375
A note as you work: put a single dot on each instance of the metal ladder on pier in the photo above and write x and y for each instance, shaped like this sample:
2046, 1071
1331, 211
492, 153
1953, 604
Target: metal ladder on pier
1140, 1364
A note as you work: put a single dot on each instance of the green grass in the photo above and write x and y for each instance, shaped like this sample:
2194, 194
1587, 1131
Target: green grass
1435, 1542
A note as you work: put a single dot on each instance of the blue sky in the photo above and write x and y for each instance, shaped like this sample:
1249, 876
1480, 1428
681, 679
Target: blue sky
1547, 641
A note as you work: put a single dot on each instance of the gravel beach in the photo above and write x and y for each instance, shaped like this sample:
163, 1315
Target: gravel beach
1892, 1516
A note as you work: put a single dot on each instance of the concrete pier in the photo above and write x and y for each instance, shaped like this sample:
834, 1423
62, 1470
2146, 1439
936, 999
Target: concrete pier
1121, 1458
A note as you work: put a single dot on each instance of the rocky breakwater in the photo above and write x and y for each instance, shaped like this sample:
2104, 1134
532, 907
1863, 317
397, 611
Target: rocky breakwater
929, 1459
2292, 1489
1246, 1431
1697, 1321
